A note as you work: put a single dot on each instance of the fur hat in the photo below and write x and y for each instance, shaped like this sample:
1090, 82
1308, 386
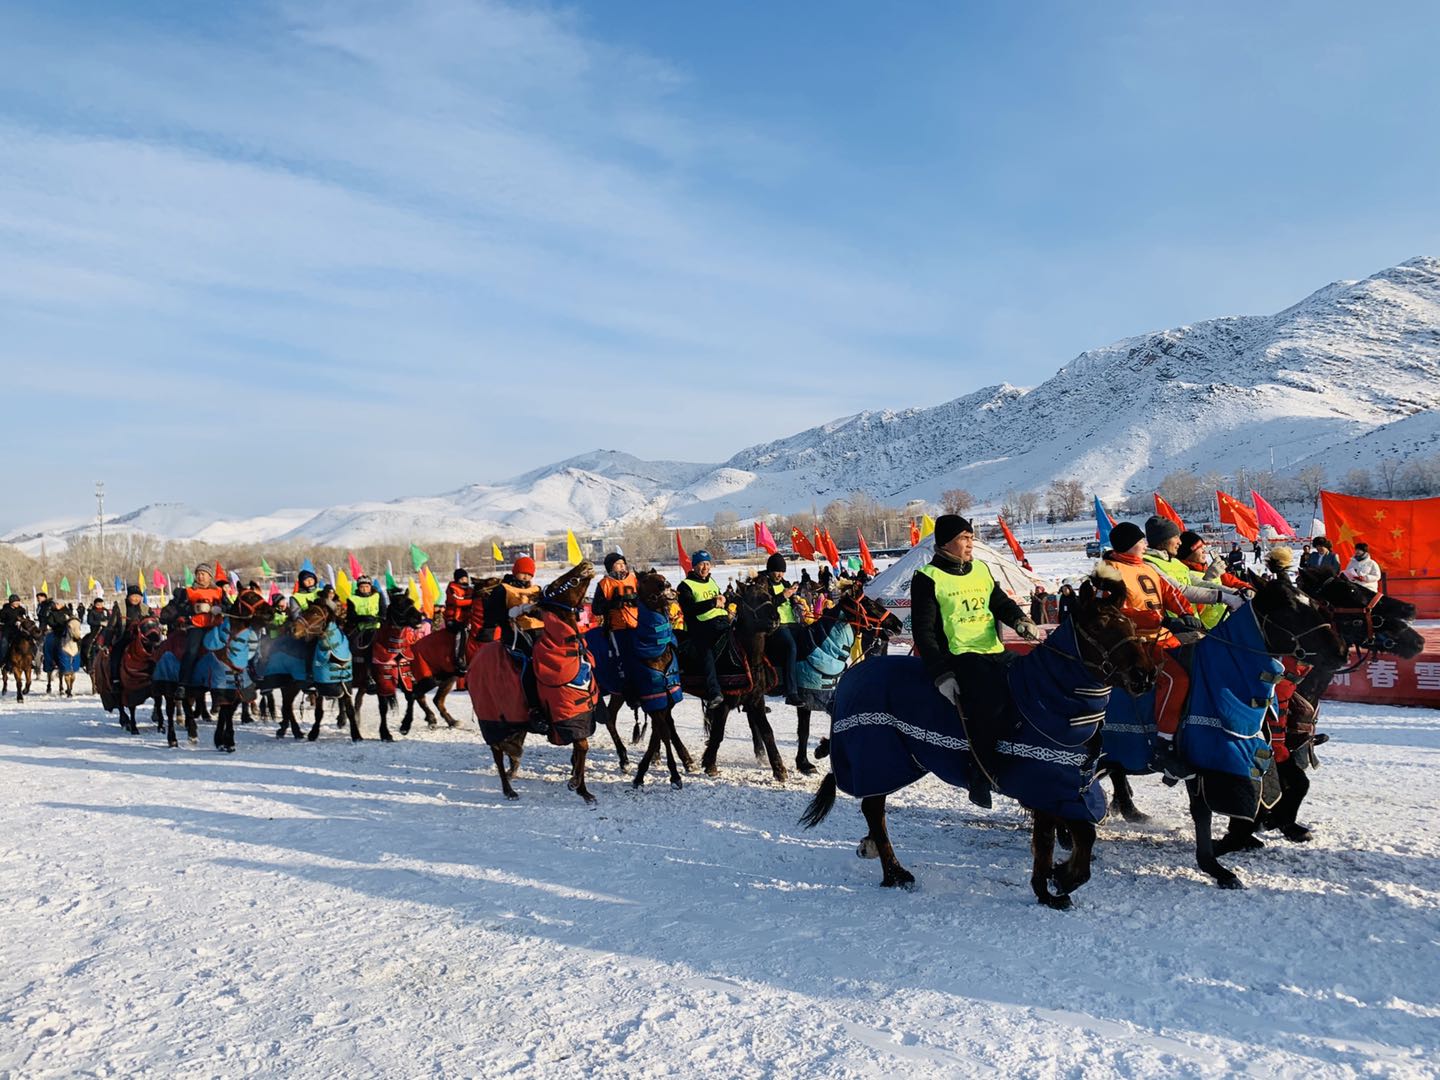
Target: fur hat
949, 526
1159, 529
130, 590
1189, 541
1125, 536
1280, 558
775, 563
524, 565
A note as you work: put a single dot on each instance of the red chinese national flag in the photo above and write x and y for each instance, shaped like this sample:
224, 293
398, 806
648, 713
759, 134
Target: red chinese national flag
1403, 534
832, 553
1165, 510
866, 562
801, 543
680, 553
1234, 512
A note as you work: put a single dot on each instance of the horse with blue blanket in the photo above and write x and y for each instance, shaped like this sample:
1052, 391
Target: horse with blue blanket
1229, 696
891, 727
641, 667
224, 668
312, 656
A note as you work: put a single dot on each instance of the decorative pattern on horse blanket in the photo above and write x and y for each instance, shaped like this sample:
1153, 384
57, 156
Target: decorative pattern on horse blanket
891, 727
167, 664
644, 666
225, 667
824, 653
1232, 687
391, 659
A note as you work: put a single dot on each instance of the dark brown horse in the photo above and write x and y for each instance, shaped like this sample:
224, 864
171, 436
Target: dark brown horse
656, 594
434, 667
20, 657
755, 620
556, 694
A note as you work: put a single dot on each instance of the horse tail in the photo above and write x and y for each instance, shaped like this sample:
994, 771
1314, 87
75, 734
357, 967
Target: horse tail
820, 806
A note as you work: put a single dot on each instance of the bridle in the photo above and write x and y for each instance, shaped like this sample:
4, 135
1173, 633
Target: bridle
1105, 668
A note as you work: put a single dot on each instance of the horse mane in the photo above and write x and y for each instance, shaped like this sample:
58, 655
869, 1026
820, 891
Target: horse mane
482, 588
653, 589
568, 590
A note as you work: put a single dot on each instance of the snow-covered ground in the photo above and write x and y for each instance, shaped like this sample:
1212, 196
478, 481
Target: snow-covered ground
369, 910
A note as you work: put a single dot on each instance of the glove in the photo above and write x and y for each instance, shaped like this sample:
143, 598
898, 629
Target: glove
949, 688
1232, 600
519, 609
1026, 629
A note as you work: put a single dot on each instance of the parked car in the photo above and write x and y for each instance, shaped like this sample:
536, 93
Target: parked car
1093, 549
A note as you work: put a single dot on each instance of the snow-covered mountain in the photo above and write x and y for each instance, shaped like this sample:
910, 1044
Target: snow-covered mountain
166, 521
1349, 375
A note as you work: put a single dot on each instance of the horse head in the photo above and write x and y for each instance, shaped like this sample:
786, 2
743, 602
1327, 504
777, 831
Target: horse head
27, 627
654, 590
1109, 643
755, 611
481, 589
1293, 625
250, 606
1364, 619
866, 613
566, 593
150, 635
312, 621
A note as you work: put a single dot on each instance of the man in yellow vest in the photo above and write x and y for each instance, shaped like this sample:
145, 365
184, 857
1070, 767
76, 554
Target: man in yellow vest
364, 609
706, 621
956, 606
783, 645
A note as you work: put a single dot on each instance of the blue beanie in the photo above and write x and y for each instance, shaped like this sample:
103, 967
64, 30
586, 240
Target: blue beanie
700, 556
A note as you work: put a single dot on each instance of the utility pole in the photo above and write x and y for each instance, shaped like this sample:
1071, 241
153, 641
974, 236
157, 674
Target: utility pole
100, 517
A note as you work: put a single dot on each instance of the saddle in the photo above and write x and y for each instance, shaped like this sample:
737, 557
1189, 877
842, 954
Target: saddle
731, 667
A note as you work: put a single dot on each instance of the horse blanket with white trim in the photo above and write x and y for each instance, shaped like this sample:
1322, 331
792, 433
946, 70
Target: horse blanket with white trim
891, 726
1232, 686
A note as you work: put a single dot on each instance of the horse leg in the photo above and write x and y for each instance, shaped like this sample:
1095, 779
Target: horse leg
1124, 797
1042, 855
319, 715
647, 758
802, 737
715, 726
1204, 848
384, 704
765, 734
612, 713
510, 792
1295, 785
673, 740
1240, 836
666, 721
192, 726
440, 696
1075, 871
409, 717
170, 738
347, 707
873, 808
224, 728
577, 770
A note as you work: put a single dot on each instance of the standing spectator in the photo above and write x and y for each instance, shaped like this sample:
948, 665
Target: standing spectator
1323, 557
1259, 553
1065, 602
1235, 559
1037, 604
1362, 569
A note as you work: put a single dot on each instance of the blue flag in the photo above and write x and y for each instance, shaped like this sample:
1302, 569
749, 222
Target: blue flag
307, 565
119, 586
1102, 522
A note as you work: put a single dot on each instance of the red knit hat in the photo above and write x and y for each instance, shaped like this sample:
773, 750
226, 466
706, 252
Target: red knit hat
524, 565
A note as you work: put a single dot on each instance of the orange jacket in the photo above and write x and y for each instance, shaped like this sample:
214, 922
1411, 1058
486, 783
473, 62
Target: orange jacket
1148, 595
609, 602
205, 605
457, 604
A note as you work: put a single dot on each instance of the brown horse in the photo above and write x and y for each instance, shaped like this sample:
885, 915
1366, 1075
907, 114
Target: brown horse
20, 658
756, 619
434, 666
555, 695
655, 594
137, 664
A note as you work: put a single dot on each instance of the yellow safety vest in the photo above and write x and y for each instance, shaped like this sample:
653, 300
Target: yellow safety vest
782, 605
366, 607
305, 599
964, 601
1177, 572
704, 593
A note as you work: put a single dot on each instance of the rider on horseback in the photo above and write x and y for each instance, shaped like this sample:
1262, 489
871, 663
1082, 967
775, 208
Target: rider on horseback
956, 605
306, 590
364, 609
200, 605
706, 621
10, 616
457, 613
614, 605
509, 604
784, 640
125, 618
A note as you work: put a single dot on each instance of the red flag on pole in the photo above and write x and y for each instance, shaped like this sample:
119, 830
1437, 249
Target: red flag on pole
1165, 510
763, 539
219, 572
819, 545
355, 572
1265, 514
866, 562
832, 553
1015, 548
1234, 512
801, 543
914, 533
680, 551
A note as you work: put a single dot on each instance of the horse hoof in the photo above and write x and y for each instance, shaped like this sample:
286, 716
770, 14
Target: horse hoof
868, 849
1231, 882
357, 738
780, 776
1057, 903
513, 796
806, 768
589, 799
1135, 817
676, 783
314, 735
385, 736
900, 879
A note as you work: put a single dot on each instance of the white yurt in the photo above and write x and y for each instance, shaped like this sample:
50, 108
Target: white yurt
892, 585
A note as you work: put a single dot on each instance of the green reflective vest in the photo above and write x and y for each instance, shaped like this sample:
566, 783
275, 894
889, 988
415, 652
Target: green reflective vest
305, 599
704, 593
783, 606
965, 616
1174, 569
367, 608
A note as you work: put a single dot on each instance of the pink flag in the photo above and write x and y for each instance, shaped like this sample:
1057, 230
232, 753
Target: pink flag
355, 572
274, 590
1266, 514
763, 539
160, 580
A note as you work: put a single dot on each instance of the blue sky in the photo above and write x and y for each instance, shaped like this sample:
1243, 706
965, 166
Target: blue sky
272, 254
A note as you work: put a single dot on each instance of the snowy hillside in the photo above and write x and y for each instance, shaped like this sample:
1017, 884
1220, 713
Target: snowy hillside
169, 521
1349, 375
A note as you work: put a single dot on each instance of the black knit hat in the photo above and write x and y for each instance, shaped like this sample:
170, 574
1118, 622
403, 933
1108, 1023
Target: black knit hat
1160, 529
611, 559
1125, 536
949, 526
1189, 541
134, 590
461, 574
776, 562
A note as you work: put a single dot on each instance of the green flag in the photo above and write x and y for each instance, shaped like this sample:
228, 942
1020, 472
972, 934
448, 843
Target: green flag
418, 558
389, 580
189, 577
265, 570
64, 584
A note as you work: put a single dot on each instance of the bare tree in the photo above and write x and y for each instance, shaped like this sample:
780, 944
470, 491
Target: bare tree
1356, 482
1027, 504
956, 501
1309, 481
1065, 499
1387, 472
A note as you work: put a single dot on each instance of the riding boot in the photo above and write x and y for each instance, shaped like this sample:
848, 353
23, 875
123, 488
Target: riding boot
1166, 759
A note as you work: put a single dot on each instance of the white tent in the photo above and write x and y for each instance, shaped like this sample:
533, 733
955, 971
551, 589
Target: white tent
892, 585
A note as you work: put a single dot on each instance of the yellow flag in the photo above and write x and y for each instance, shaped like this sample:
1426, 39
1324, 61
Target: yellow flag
429, 590
572, 549
91, 585
342, 586
45, 586
142, 581
496, 553
927, 525
413, 590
